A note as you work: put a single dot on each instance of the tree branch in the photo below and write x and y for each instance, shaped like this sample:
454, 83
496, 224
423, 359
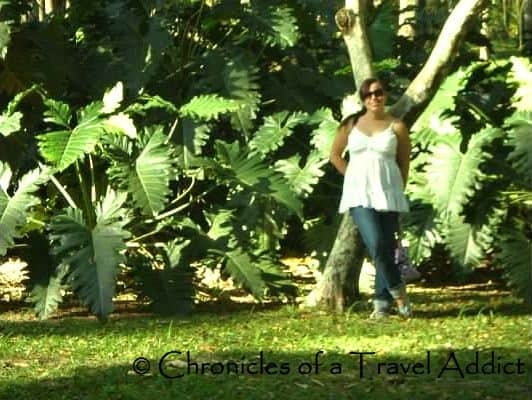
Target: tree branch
427, 81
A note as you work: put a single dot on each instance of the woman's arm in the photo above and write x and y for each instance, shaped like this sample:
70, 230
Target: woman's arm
403, 149
338, 147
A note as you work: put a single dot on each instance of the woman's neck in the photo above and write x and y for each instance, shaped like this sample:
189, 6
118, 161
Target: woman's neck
376, 115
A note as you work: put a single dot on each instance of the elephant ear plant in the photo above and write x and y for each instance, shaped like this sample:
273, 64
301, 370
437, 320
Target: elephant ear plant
113, 198
471, 173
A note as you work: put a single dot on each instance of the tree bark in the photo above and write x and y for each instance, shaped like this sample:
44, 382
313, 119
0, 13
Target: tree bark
338, 285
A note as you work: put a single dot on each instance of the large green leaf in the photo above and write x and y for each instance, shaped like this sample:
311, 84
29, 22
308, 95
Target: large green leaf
149, 177
10, 123
57, 112
194, 137
515, 257
240, 79
257, 176
207, 107
14, 209
462, 241
275, 25
10, 119
442, 100
48, 295
302, 180
92, 254
323, 135
520, 138
244, 271
64, 147
277, 280
453, 176
220, 224
275, 129
146, 102
420, 230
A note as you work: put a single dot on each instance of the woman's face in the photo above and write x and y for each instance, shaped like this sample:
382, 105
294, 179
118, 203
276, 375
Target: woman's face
375, 97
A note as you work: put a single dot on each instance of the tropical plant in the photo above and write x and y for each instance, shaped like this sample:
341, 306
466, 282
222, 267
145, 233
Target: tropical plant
469, 157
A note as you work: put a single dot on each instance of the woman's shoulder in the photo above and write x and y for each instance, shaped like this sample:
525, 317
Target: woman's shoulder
398, 126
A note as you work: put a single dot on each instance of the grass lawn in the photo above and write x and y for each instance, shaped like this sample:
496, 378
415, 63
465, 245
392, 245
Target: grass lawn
76, 357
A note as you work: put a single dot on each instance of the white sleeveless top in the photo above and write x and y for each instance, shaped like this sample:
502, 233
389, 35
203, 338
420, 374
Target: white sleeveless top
372, 178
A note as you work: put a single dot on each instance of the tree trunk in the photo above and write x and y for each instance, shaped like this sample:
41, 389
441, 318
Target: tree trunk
484, 53
338, 285
526, 28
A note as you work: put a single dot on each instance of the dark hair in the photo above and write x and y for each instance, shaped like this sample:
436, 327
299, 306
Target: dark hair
362, 90
364, 86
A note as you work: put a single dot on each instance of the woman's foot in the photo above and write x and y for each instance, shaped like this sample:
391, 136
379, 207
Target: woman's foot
404, 310
403, 304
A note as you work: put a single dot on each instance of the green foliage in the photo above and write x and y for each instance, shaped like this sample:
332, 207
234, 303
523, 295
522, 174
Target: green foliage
516, 257
276, 26
208, 107
520, 139
146, 175
10, 119
92, 253
64, 147
302, 179
48, 295
242, 268
14, 208
251, 172
271, 135
473, 153
323, 135
452, 175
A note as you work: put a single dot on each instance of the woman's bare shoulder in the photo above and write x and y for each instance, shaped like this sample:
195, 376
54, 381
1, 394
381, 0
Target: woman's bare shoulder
399, 127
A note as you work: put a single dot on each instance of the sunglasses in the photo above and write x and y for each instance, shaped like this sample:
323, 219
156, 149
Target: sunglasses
376, 93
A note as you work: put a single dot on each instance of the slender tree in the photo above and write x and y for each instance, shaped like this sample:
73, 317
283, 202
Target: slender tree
407, 12
526, 28
339, 283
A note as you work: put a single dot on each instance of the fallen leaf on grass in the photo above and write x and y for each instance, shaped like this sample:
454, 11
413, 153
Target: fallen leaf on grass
301, 385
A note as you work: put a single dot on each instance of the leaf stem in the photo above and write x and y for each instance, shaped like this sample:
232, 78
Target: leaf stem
187, 190
86, 200
63, 191
93, 184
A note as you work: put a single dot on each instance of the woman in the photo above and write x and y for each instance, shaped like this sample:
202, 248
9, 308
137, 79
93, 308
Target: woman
374, 180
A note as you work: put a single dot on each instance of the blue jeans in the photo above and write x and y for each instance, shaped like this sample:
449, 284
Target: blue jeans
378, 229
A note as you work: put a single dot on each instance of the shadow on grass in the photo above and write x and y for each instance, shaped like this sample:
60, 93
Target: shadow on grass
444, 374
129, 316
